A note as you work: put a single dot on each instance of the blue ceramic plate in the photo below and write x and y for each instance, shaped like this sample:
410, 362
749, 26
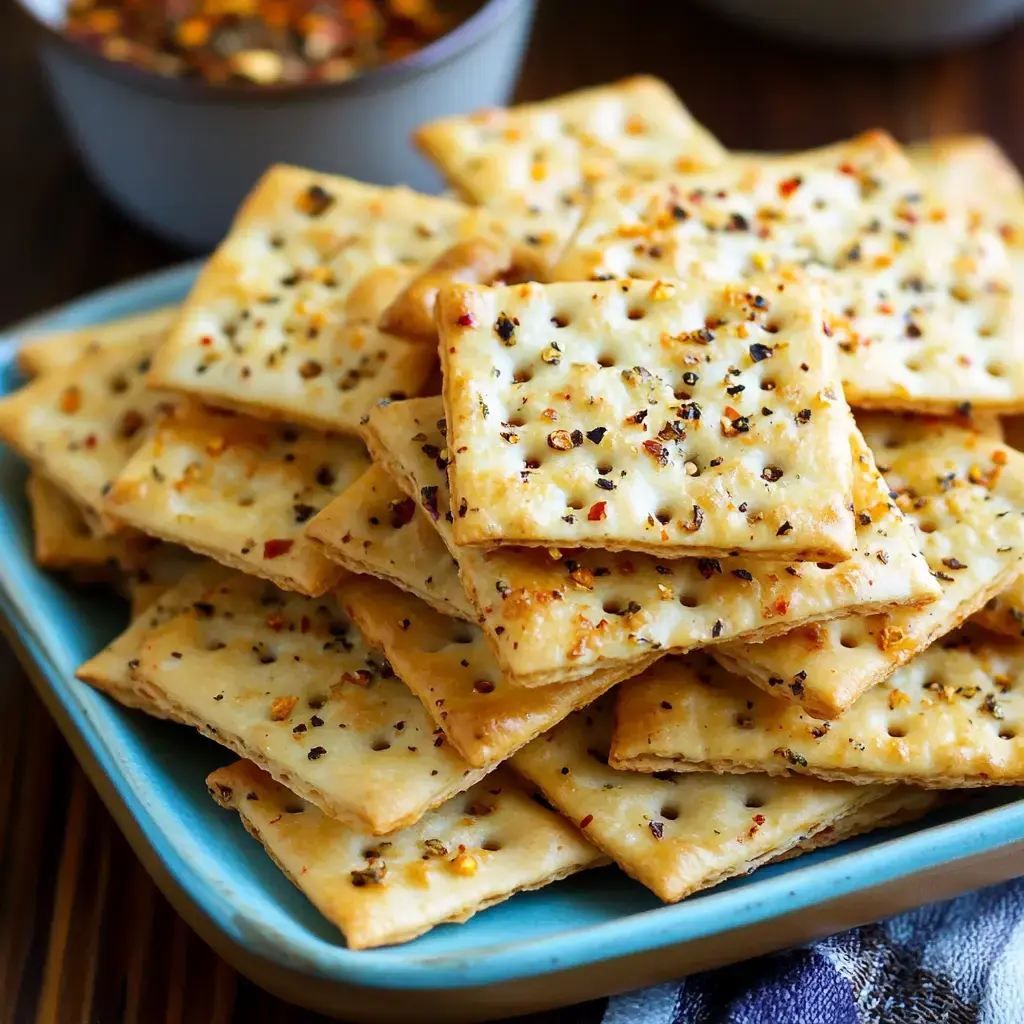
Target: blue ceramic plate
577, 939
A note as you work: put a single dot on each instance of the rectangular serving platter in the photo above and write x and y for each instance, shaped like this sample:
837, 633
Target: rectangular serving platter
589, 936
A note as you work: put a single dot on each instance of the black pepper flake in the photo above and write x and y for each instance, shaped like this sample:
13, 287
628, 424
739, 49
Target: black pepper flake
597, 434
316, 201
716, 629
325, 476
765, 411
708, 567
301, 727
791, 756
944, 576
666, 706
657, 829
505, 328
803, 416
964, 409
784, 529
315, 753
203, 609
771, 474
742, 574
428, 496
953, 563
736, 389
864, 518
303, 513
716, 461
316, 721
759, 352
605, 485
993, 707
400, 512
689, 411
638, 417
690, 378
696, 520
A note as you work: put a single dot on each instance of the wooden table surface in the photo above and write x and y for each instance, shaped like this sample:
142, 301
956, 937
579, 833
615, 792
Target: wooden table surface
84, 935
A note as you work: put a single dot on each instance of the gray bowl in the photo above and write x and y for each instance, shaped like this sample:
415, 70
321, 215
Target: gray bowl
179, 155
879, 25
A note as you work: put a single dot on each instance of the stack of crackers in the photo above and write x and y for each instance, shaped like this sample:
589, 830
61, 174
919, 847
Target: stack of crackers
629, 581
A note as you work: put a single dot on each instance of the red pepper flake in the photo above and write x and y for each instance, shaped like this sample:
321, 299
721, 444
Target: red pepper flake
597, 511
466, 320
276, 548
657, 451
275, 621
304, 624
586, 821
70, 400
789, 186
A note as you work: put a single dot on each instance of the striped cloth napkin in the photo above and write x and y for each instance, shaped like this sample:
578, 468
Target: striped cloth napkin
960, 962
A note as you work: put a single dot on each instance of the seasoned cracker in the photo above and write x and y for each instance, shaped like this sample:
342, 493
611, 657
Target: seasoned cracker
282, 321
61, 536
965, 494
920, 297
152, 566
677, 833
536, 162
111, 670
288, 682
480, 260
240, 491
451, 668
475, 851
78, 426
677, 419
899, 806
1004, 613
551, 618
951, 718
58, 350
374, 527
973, 172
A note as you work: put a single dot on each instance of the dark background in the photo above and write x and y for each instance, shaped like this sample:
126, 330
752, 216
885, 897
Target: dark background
84, 935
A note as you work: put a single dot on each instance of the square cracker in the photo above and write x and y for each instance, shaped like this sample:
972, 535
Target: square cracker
44, 353
239, 490
61, 536
283, 319
110, 671
900, 805
965, 494
288, 682
535, 162
552, 617
920, 297
1004, 613
973, 172
374, 527
677, 833
673, 418
152, 566
449, 665
78, 426
951, 718
475, 851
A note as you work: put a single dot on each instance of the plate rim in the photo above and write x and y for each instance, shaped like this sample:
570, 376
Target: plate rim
798, 888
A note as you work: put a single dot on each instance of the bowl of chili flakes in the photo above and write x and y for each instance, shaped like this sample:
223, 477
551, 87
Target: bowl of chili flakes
178, 106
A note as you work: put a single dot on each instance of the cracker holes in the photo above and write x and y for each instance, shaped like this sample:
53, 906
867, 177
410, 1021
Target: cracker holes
927, 526
849, 641
461, 637
754, 802
379, 745
913, 365
490, 845
561, 320
576, 504
606, 360
636, 313
986, 331
522, 374
669, 812
516, 421
768, 384
1007, 734
897, 732
604, 468
825, 566
664, 516
772, 327
995, 369
689, 601
293, 807
612, 607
